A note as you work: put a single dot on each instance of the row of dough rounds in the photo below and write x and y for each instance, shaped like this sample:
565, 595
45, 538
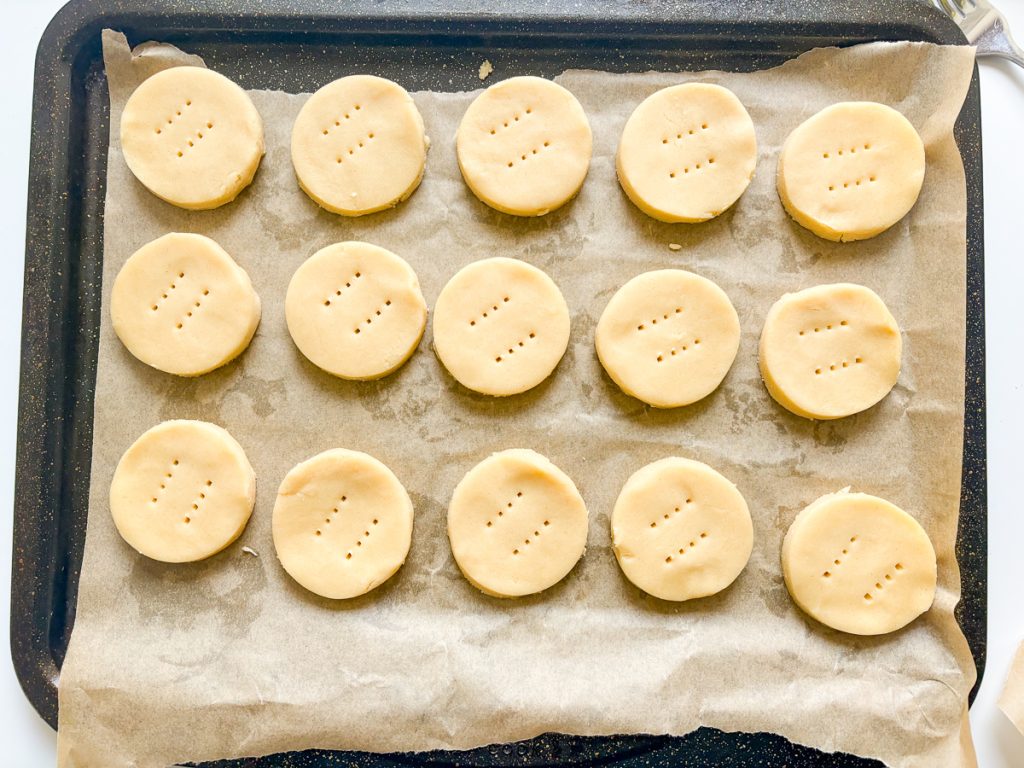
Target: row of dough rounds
517, 525
687, 153
668, 337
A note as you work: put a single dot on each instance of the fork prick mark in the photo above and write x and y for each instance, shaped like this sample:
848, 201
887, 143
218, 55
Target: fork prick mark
164, 481
193, 308
363, 539
343, 288
491, 310
516, 346
377, 313
502, 510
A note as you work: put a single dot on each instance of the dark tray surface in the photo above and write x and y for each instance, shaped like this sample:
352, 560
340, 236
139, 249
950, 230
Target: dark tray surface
424, 45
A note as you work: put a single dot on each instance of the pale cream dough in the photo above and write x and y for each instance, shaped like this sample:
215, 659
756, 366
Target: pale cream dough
183, 491
355, 310
182, 305
859, 564
668, 337
680, 530
516, 523
342, 523
524, 146
687, 152
830, 351
358, 145
500, 326
192, 137
851, 171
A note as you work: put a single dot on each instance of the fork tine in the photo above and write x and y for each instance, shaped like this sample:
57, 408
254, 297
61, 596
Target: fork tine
947, 6
963, 5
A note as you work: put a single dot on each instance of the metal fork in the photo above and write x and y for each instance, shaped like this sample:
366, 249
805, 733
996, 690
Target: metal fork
984, 27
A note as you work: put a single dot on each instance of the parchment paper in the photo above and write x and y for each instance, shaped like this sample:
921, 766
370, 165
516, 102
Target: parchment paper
229, 657
1011, 700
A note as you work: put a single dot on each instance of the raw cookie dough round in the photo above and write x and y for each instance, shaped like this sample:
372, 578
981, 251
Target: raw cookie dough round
851, 171
500, 326
680, 530
830, 351
183, 491
859, 564
342, 523
668, 337
687, 152
192, 137
182, 305
355, 310
358, 145
524, 146
516, 523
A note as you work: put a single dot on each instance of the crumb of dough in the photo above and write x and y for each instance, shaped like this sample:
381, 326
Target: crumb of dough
250, 551
485, 69
675, 247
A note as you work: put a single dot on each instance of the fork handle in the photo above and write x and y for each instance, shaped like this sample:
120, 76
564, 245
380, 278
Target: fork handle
997, 41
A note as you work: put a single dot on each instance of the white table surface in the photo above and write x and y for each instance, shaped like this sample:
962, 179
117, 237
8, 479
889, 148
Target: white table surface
28, 742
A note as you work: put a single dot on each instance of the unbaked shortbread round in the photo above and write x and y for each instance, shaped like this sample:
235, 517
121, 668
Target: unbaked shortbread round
668, 337
355, 310
830, 351
851, 171
687, 152
524, 146
358, 145
500, 326
680, 530
342, 523
183, 491
859, 564
182, 305
192, 137
517, 524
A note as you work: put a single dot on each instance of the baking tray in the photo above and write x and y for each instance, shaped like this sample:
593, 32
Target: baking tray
296, 46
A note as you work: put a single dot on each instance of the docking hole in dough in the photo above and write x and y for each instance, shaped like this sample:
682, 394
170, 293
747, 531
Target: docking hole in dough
859, 564
524, 146
355, 310
182, 492
668, 337
358, 145
182, 305
681, 530
830, 351
687, 153
500, 326
517, 524
342, 523
192, 137
851, 171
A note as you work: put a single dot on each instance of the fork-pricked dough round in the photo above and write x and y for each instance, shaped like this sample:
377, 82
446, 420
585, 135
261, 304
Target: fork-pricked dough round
668, 337
192, 137
358, 145
524, 146
183, 491
500, 326
182, 305
355, 310
687, 152
342, 523
830, 351
516, 523
681, 530
859, 564
851, 171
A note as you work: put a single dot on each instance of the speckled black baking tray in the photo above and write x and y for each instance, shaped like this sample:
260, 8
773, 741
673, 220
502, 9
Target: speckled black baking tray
297, 45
